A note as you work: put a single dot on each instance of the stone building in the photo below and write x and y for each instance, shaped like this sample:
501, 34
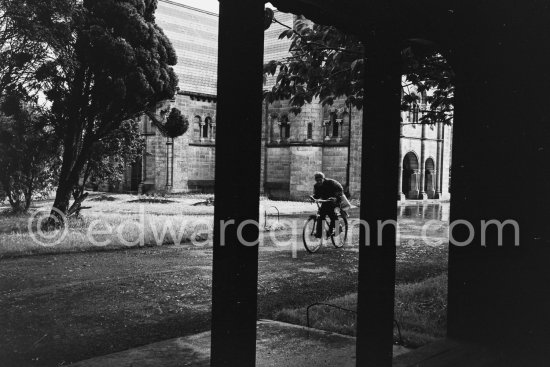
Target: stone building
326, 139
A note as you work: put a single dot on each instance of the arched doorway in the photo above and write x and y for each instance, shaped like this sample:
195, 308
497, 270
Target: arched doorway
410, 176
136, 178
429, 179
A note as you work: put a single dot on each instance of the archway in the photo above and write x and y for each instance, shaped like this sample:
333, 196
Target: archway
410, 176
136, 175
429, 173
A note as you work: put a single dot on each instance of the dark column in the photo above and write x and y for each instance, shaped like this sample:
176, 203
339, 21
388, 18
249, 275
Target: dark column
498, 289
237, 188
380, 153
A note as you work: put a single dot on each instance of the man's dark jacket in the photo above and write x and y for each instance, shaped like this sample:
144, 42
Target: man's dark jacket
327, 189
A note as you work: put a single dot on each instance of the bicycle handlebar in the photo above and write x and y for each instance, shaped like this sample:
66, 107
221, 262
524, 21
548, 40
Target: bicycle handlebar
321, 200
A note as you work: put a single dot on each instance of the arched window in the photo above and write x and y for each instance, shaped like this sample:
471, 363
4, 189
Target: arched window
310, 131
413, 113
429, 167
285, 127
197, 120
409, 186
335, 125
207, 128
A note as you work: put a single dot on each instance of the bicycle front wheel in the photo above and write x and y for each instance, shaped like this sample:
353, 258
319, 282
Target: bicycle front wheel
340, 232
311, 242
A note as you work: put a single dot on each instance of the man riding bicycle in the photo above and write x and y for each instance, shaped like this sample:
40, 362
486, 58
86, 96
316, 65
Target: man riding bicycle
327, 189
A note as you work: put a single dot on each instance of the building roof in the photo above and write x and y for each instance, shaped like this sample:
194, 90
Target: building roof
194, 35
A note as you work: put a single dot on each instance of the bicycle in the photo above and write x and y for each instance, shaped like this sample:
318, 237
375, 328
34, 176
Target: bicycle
312, 243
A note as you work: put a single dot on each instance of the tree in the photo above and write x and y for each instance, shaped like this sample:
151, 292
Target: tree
29, 152
108, 161
327, 64
176, 124
116, 67
30, 34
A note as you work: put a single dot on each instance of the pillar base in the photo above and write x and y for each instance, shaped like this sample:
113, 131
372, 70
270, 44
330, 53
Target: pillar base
401, 197
422, 196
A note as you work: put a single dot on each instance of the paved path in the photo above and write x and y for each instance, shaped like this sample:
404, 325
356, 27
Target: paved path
58, 309
278, 345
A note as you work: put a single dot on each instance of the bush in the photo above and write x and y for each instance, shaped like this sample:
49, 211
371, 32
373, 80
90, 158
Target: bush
29, 153
176, 124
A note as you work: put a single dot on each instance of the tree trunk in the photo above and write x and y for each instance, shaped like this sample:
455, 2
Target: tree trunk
74, 148
62, 197
71, 170
29, 191
14, 198
28, 199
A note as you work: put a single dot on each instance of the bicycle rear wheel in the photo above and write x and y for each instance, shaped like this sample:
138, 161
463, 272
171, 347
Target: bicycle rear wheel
311, 243
340, 232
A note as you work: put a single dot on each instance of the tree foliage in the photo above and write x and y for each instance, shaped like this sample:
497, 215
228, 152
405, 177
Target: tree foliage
327, 64
108, 161
176, 124
29, 152
31, 32
112, 155
428, 72
117, 66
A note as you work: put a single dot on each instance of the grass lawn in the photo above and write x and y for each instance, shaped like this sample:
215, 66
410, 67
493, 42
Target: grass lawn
170, 220
71, 304
420, 310
421, 291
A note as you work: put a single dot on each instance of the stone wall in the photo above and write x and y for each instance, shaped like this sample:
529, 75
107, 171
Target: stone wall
276, 184
304, 160
334, 165
287, 162
192, 153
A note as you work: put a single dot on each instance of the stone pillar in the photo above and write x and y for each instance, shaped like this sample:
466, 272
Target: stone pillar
432, 184
201, 127
326, 131
169, 164
143, 166
415, 177
340, 122
422, 178
400, 194
235, 258
439, 159
442, 163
